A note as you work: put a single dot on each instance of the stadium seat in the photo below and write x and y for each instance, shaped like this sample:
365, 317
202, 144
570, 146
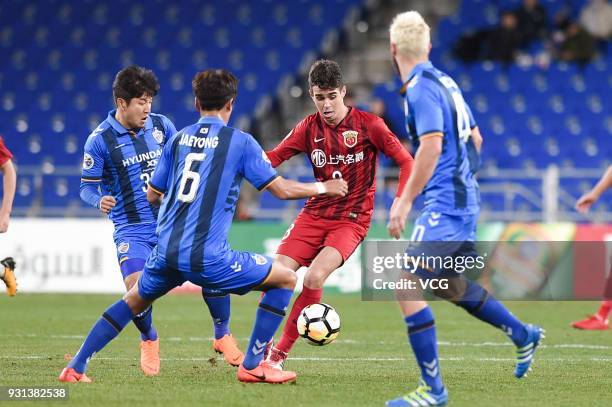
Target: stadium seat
25, 193
61, 58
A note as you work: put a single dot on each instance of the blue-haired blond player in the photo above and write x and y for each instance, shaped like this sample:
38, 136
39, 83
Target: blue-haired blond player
120, 157
199, 175
447, 143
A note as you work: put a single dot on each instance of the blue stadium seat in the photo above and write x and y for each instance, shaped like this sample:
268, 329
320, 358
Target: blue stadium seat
25, 193
61, 58
60, 191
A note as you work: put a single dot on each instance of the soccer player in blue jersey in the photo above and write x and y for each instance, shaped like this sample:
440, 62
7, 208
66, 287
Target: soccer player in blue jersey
120, 157
199, 175
447, 143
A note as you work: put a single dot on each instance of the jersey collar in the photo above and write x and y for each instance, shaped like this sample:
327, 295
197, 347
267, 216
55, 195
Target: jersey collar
211, 120
119, 127
418, 68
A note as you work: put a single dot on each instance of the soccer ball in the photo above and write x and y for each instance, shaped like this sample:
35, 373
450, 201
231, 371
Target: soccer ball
319, 324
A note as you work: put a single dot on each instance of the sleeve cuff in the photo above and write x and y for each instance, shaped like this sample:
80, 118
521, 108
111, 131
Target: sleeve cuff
268, 182
431, 133
155, 189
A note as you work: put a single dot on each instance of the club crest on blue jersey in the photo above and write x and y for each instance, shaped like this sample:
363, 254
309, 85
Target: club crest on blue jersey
158, 135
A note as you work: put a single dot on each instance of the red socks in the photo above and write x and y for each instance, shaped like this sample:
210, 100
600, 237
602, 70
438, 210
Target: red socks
608, 288
307, 297
606, 305
604, 309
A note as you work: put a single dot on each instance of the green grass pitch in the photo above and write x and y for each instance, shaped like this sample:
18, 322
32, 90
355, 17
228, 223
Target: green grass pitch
369, 363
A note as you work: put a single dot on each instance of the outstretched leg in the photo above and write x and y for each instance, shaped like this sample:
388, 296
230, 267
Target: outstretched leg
325, 263
477, 301
278, 290
112, 322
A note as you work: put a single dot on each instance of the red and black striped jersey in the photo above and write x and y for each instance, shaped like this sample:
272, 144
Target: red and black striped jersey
349, 151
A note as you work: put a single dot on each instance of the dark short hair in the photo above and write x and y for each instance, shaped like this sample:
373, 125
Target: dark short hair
325, 74
133, 82
213, 88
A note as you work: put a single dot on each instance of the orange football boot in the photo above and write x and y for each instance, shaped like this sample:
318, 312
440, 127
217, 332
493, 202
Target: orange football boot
9, 276
69, 375
265, 374
229, 348
149, 357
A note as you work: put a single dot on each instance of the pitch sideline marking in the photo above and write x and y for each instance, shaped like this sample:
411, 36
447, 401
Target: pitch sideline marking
330, 359
344, 341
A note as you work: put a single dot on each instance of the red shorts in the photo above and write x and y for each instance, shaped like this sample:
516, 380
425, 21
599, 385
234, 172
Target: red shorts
309, 234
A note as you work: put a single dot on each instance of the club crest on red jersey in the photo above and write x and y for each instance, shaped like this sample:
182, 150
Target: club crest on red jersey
350, 138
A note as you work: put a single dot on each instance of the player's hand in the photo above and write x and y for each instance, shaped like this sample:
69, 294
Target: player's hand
397, 218
585, 202
4, 222
107, 203
336, 187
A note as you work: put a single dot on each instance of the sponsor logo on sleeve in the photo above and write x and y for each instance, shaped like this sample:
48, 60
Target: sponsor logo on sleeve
123, 247
88, 162
259, 259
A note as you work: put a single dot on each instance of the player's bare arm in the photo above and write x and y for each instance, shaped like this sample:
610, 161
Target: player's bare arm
587, 200
287, 189
9, 184
425, 163
154, 197
404, 161
477, 138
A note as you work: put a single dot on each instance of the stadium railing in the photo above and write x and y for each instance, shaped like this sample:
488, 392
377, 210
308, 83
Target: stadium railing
534, 195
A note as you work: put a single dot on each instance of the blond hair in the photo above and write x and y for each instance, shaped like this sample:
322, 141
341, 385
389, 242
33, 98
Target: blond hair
410, 33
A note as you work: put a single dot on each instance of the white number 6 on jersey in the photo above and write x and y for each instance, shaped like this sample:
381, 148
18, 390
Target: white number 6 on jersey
189, 195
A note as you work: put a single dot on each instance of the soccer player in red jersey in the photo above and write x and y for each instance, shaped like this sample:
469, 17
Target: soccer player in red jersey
8, 184
598, 321
341, 142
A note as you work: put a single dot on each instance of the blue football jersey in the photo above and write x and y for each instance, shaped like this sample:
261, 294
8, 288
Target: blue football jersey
434, 103
122, 163
200, 172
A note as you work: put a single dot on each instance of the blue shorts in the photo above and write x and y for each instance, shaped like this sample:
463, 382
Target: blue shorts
234, 273
134, 247
438, 235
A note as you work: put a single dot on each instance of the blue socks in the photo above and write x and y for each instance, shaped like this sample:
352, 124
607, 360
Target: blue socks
269, 316
219, 307
114, 319
478, 302
144, 323
422, 337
